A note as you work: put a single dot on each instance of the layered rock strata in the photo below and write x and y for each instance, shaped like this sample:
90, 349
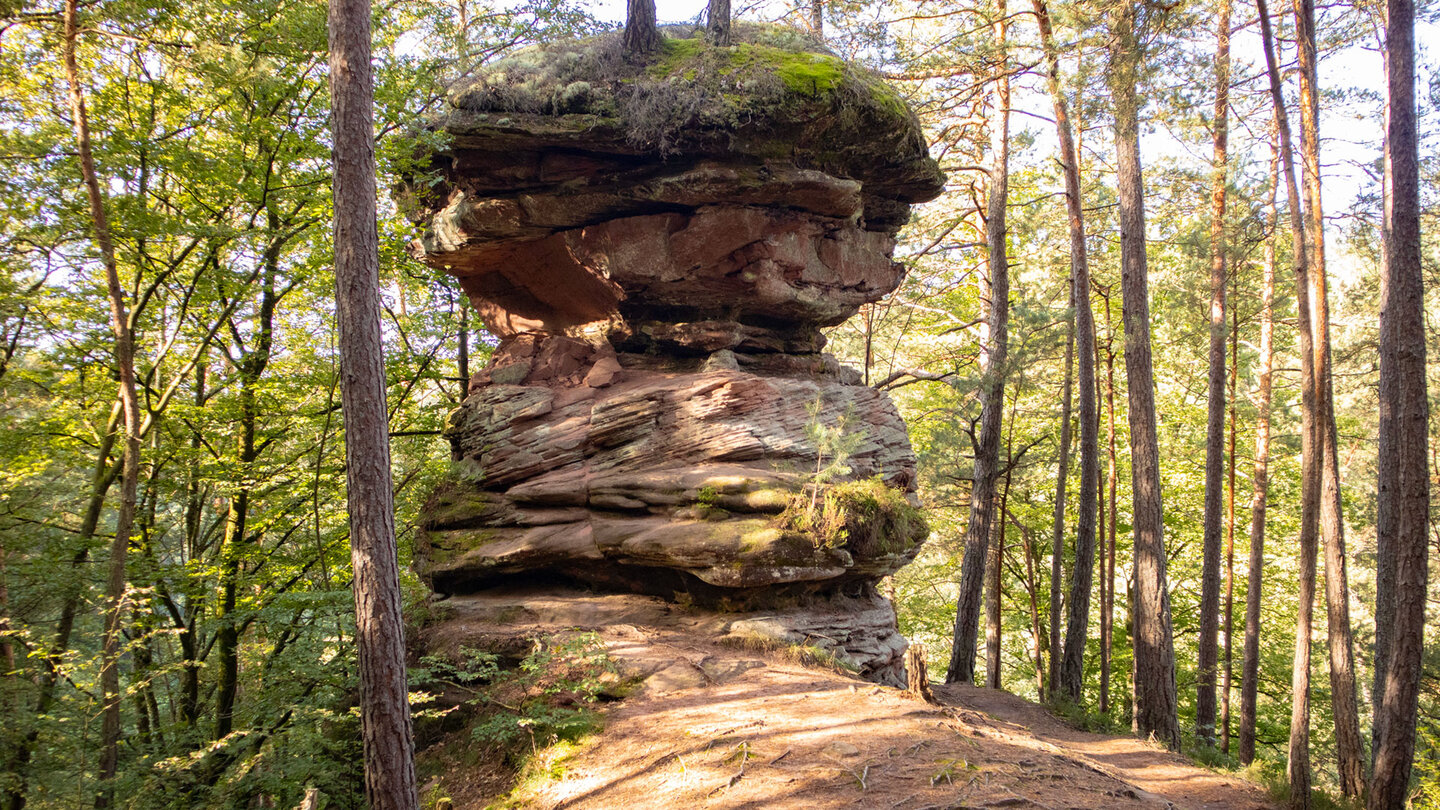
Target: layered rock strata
657, 249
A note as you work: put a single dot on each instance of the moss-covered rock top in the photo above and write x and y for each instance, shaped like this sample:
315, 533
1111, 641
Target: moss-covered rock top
775, 95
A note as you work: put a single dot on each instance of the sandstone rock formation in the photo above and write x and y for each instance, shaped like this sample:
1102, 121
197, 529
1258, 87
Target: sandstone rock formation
657, 249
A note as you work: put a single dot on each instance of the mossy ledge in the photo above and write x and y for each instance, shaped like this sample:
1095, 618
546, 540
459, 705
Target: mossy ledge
776, 94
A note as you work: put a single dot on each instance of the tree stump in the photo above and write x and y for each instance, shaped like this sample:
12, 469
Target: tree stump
917, 673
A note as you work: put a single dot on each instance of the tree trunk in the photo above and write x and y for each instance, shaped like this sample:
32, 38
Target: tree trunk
1057, 534
993, 362
384, 706
996, 235
817, 19
462, 362
996, 575
185, 625
250, 368
1227, 657
1032, 587
1107, 589
1155, 698
917, 673
1250, 678
1215, 421
1404, 494
130, 406
993, 578
1077, 619
1348, 748
718, 22
642, 35
1298, 767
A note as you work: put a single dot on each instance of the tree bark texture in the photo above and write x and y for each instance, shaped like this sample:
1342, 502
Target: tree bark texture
1215, 418
642, 33
1404, 497
384, 705
992, 405
717, 25
1156, 706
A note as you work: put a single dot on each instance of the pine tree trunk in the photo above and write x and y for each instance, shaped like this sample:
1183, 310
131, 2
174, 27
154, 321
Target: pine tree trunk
1032, 587
1404, 495
1215, 421
1348, 748
384, 705
462, 360
1078, 610
1298, 767
994, 591
1156, 706
1107, 590
1250, 677
1227, 655
1000, 179
642, 34
1057, 534
1100, 554
994, 582
993, 363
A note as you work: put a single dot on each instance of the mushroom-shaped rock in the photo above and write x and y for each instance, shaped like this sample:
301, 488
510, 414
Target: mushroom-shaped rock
657, 247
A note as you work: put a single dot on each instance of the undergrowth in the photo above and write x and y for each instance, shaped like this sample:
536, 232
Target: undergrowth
535, 715
1084, 718
1271, 774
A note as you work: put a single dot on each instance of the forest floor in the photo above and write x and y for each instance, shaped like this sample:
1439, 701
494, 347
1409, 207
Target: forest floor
719, 726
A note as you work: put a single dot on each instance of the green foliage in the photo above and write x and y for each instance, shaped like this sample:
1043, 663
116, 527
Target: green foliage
868, 517
547, 698
1272, 776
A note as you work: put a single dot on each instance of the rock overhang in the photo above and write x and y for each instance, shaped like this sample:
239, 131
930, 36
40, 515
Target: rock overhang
780, 174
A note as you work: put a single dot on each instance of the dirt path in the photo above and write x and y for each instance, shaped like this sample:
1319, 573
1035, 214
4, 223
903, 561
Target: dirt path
1145, 765
725, 727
